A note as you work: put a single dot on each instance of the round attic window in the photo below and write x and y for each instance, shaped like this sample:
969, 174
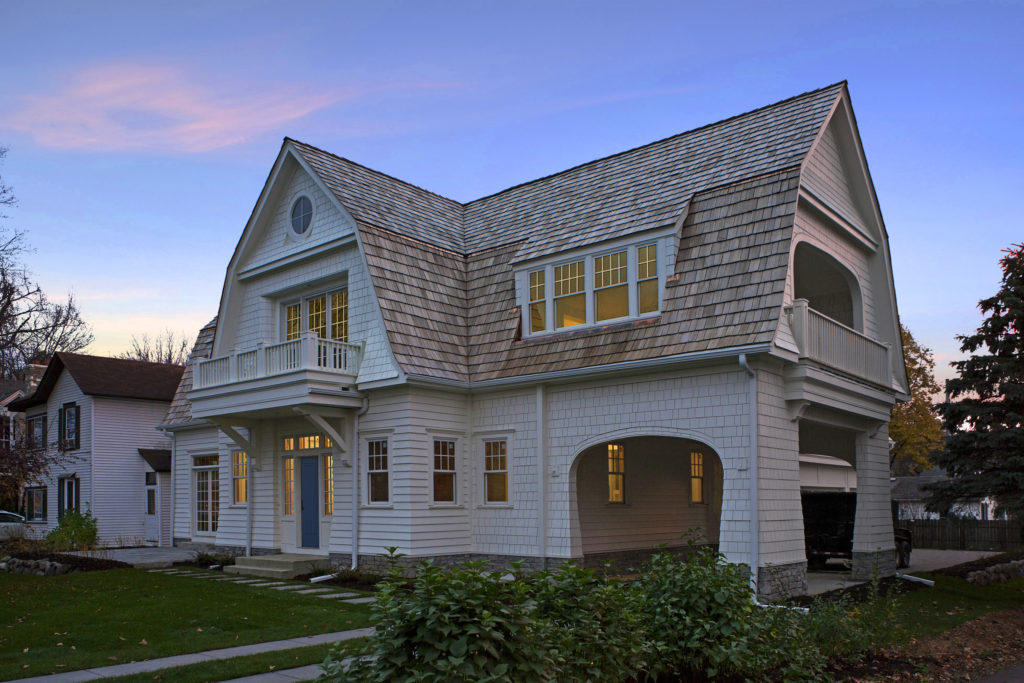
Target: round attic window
302, 214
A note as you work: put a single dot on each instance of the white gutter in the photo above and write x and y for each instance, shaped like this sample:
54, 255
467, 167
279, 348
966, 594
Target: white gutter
542, 468
755, 513
354, 457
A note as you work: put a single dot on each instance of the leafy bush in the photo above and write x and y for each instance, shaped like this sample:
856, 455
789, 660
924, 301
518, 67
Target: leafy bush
75, 531
210, 559
466, 624
687, 619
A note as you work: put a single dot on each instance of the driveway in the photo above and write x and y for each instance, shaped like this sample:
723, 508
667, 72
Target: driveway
145, 558
921, 560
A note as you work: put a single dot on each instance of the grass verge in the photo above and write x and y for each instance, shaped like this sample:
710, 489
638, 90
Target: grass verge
227, 669
83, 620
951, 602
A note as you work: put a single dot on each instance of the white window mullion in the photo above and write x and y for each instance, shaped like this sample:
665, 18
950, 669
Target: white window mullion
631, 265
588, 286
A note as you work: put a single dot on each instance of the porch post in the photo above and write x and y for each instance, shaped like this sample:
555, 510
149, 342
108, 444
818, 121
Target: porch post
873, 546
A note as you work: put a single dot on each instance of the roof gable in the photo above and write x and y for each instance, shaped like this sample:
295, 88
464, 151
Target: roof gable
180, 410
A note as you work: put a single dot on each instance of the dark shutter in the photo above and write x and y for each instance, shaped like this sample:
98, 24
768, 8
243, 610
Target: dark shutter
60, 498
78, 484
78, 430
62, 420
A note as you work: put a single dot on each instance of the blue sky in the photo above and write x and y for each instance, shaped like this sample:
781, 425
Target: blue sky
140, 134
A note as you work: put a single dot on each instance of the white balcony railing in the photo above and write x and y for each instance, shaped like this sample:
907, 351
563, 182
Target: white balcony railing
305, 353
831, 343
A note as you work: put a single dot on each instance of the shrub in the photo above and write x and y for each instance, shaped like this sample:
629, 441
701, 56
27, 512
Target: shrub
590, 625
75, 531
463, 624
204, 559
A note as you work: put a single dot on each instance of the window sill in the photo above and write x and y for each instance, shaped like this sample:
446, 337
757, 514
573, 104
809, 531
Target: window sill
618, 505
376, 506
446, 506
496, 506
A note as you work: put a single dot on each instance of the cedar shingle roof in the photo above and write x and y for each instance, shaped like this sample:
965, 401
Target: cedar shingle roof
443, 271
180, 411
108, 377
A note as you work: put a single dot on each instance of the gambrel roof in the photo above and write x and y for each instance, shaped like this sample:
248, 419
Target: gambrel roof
442, 271
180, 411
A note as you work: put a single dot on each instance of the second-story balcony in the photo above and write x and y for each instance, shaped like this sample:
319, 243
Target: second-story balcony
839, 347
276, 377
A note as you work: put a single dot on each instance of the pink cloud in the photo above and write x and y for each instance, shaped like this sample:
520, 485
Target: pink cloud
144, 108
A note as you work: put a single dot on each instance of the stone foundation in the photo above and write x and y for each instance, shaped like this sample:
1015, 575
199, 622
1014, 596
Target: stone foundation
235, 550
867, 565
624, 560
781, 581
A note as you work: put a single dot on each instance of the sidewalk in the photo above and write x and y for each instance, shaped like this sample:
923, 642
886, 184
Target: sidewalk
208, 656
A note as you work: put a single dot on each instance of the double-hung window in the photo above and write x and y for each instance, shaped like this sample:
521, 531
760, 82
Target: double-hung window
604, 287
68, 491
35, 431
240, 476
377, 471
616, 473
444, 471
496, 471
324, 314
35, 504
696, 477
68, 427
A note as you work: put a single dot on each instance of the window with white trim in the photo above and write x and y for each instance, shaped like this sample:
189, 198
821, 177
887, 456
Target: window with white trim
240, 476
35, 504
206, 478
35, 431
696, 477
377, 471
328, 460
616, 473
68, 418
288, 481
496, 471
615, 284
326, 314
444, 471
68, 491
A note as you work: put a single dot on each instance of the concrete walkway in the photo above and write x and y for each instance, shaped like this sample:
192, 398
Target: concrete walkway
142, 558
198, 657
921, 560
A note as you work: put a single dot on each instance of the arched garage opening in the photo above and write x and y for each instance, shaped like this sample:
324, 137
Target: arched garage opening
638, 493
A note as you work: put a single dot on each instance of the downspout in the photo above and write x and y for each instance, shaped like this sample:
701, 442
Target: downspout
354, 455
542, 468
755, 515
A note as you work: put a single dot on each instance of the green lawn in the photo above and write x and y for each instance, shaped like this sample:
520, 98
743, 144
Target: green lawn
951, 602
83, 620
227, 669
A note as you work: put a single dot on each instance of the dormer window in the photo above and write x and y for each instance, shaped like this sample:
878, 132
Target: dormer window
594, 289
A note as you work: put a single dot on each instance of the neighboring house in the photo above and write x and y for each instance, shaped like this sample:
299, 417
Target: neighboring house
583, 366
102, 414
10, 391
910, 499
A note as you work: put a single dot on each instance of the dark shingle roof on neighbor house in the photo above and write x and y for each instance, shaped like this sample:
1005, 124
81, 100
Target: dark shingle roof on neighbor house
108, 377
442, 271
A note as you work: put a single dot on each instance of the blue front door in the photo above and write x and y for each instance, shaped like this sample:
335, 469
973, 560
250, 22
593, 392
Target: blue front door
310, 502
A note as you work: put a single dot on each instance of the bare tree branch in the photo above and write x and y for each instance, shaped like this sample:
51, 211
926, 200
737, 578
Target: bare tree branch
166, 347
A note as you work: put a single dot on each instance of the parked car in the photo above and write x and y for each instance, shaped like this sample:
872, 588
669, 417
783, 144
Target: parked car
12, 525
828, 528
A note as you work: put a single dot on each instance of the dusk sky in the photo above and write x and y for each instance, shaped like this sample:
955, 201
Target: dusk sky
140, 133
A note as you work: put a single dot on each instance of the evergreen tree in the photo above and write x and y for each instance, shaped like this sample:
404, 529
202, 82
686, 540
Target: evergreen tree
984, 417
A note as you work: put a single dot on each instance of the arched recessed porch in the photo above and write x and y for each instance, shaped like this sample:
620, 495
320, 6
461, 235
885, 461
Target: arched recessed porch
635, 494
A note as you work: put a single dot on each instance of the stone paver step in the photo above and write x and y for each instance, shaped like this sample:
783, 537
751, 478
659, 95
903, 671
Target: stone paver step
314, 591
337, 596
361, 601
288, 587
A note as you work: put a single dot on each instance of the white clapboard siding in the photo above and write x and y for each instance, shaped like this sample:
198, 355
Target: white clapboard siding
120, 428
827, 174
188, 443
78, 462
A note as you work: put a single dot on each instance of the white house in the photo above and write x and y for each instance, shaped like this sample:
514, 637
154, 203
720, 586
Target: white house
102, 415
582, 366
